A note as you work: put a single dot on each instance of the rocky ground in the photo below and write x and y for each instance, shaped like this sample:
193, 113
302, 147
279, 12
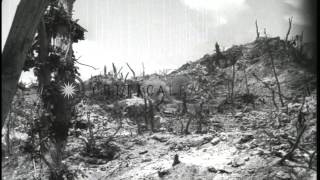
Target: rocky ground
240, 150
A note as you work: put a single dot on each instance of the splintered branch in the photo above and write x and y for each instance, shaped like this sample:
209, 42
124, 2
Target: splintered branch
300, 128
111, 138
294, 147
125, 79
133, 73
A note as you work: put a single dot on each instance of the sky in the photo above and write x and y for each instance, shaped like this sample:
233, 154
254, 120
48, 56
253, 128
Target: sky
165, 34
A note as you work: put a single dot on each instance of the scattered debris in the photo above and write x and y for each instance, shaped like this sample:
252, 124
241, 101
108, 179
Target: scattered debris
215, 141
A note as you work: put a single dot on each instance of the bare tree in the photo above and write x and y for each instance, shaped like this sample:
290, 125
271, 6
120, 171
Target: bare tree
243, 67
229, 89
143, 72
257, 30
200, 116
186, 130
14, 53
246, 80
217, 47
301, 43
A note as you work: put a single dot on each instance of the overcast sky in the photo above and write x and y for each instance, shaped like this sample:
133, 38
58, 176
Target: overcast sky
164, 34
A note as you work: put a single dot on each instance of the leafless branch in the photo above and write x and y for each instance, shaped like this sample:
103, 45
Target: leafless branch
84, 64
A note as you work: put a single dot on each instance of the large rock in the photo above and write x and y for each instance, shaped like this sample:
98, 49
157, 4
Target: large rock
198, 141
157, 122
160, 137
170, 110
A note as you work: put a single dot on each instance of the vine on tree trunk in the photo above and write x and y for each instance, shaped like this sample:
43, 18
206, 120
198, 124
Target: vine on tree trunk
52, 58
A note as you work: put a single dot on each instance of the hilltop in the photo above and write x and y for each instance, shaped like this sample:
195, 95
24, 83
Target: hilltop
216, 131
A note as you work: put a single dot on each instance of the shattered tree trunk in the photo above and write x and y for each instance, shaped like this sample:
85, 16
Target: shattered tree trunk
19, 40
288, 32
301, 43
44, 82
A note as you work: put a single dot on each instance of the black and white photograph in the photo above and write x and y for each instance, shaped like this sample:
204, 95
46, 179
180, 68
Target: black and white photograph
159, 89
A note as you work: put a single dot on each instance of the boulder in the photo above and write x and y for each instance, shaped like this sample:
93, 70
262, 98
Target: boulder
157, 122
82, 124
283, 175
215, 141
237, 162
245, 138
239, 115
212, 169
162, 173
